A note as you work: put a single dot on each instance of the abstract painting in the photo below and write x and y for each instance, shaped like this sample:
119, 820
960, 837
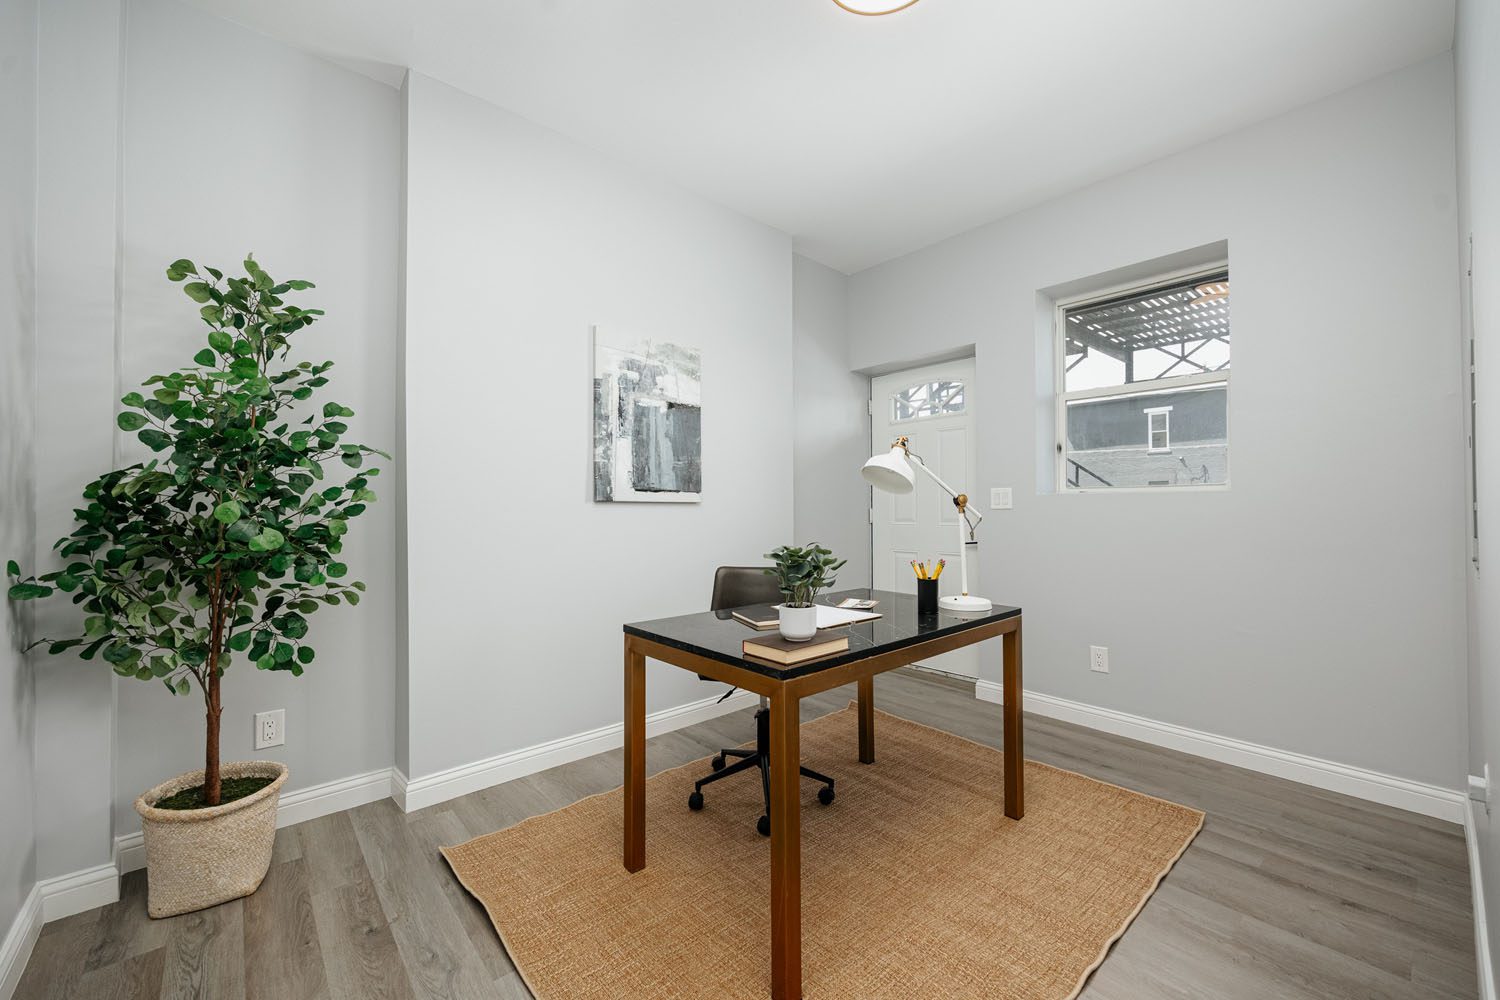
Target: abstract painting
648, 420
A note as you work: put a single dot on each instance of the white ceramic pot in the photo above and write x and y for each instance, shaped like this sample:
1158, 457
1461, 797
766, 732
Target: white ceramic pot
798, 624
197, 858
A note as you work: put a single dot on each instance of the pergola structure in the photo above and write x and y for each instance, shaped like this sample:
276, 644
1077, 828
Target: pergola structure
1173, 324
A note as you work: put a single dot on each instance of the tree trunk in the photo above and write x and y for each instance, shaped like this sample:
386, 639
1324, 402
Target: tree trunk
213, 707
211, 755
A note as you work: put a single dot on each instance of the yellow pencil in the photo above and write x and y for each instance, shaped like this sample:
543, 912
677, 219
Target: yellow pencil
939, 571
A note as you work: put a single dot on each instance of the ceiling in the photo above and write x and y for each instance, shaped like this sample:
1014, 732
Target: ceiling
867, 137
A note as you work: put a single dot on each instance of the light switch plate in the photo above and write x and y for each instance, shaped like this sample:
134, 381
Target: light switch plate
270, 729
1000, 498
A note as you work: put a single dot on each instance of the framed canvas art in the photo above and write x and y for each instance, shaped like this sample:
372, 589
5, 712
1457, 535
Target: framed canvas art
648, 420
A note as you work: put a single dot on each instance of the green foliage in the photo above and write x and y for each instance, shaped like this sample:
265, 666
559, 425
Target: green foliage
802, 572
229, 538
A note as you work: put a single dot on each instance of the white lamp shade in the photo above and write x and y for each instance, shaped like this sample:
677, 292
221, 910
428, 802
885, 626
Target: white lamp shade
890, 472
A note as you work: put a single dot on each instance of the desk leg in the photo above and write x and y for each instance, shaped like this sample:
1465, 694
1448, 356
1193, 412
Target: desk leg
867, 721
1015, 758
635, 758
786, 849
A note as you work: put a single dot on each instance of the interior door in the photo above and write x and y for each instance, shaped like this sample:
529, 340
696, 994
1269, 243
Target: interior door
932, 406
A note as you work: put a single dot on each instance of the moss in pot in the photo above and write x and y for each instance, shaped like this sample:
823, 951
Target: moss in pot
217, 548
801, 573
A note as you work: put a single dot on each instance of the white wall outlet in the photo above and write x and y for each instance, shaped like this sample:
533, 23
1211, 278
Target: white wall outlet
270, 729
1000, 498
1099, 659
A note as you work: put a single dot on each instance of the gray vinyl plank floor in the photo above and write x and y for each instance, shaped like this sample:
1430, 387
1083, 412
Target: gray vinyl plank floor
1289, 892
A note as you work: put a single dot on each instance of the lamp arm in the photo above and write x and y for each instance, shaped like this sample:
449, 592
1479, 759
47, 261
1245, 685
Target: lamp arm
966, 510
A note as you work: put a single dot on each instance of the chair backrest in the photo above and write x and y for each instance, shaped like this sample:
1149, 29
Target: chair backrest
739, 586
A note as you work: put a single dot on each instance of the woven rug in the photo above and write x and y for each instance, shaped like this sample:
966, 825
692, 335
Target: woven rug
914, 884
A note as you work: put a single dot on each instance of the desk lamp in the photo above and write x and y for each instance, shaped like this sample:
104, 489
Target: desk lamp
893, 473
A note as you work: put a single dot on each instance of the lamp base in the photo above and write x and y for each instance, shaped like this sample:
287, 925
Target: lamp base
965, 604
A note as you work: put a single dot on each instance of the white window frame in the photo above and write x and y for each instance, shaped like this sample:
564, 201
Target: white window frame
1165, 412
1133, 390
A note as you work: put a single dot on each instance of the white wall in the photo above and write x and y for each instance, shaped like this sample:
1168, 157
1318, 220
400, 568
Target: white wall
316, 199
78, 86
830, 498
18, 94
1316, 606
1477, 63
517, 242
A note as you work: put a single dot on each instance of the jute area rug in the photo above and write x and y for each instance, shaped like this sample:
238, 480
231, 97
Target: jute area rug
914, 883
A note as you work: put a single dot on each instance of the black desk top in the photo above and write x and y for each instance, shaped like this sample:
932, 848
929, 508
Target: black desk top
716, 635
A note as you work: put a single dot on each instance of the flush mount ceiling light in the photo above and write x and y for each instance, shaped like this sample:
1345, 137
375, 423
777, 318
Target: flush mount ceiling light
874, 8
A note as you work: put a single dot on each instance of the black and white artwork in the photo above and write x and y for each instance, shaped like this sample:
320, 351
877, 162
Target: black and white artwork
648, 420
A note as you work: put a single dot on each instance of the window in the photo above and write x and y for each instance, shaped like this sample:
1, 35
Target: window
1158, 351
1158, 430
930, 399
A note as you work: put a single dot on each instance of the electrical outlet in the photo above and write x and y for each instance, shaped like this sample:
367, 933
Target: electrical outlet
1099, 659
1000, 498
270, 729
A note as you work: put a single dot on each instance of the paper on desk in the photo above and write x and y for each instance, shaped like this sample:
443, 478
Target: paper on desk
831, 617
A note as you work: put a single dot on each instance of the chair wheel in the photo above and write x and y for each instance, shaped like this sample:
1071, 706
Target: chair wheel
763, 825
717, 763
695, 801
825, 795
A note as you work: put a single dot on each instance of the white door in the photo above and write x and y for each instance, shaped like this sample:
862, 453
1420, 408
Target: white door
933, 406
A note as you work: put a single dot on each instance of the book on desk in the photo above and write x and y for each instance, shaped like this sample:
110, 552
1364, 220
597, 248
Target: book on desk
786, 653
764, 617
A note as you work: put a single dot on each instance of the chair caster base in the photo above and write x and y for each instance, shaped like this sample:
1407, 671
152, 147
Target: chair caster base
695, 801
763, 825
717, 763
825, 795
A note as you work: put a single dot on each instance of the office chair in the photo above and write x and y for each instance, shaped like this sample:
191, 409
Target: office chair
738, 587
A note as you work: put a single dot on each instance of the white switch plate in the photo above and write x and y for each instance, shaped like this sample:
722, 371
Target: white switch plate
1000, 498
270, 729
1099, 659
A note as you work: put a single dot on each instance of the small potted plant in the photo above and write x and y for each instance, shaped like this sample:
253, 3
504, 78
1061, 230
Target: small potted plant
800, 574
219, 547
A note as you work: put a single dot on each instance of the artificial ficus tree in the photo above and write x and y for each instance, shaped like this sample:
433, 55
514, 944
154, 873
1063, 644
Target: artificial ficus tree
224, 543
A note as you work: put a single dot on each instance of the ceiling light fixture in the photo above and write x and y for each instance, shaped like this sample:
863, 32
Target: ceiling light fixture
874, 8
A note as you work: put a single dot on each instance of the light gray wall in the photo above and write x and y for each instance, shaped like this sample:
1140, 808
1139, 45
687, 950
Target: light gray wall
18, 94
518, 241
830, 498
316, 200
1477, 64
76, 319
1317, 605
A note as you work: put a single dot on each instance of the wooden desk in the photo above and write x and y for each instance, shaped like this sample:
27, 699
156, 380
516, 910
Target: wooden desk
709, 644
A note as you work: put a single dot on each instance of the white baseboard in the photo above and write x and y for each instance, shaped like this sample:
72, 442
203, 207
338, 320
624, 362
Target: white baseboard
1481, 931
419, 793
78, 891
15, 949
1373, 786
295, 807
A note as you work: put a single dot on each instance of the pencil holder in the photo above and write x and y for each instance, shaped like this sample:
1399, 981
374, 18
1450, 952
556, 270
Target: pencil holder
927, 597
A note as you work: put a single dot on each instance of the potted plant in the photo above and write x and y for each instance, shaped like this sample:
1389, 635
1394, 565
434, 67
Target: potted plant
800, 574
219, 547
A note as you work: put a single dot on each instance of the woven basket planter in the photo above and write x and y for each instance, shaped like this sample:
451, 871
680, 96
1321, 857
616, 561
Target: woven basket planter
196, 858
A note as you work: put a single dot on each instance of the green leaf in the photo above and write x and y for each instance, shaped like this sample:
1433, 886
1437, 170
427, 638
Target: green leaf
183, 687
269, 540
240, 641
155, 439
292, 626
305, 654
28, 591
337, 569
128, 421
198, 291
13, 568
220, 341
228, 512
206, 358
242, 531
283, 652
179, 269
133, 399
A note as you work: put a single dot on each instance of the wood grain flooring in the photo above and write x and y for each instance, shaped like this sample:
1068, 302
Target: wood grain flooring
1289, 892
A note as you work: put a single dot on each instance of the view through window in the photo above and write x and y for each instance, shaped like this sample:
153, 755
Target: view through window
1145, 386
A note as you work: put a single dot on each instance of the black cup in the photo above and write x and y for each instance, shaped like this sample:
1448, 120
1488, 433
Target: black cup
927, 597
